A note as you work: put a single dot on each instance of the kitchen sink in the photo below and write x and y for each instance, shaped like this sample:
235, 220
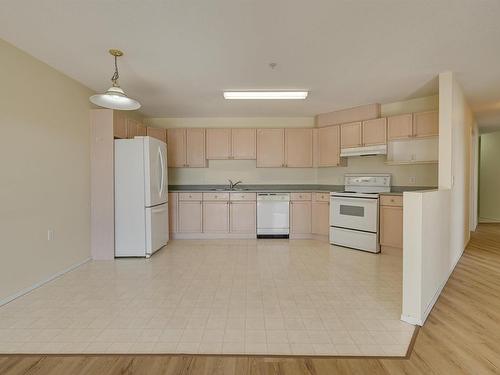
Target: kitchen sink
227, 189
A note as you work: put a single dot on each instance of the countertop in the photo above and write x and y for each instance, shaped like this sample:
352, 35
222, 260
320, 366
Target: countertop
291, 188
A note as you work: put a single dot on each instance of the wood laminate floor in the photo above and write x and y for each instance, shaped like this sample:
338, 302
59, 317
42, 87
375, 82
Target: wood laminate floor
461, 336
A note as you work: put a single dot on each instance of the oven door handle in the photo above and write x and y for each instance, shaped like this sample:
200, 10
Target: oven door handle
354, 199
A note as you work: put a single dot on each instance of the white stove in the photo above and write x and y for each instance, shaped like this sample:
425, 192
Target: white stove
354, 212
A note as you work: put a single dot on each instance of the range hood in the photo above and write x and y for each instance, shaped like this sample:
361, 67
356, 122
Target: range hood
364, 151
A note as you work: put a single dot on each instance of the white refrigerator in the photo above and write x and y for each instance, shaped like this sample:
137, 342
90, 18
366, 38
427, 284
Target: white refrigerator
141, 194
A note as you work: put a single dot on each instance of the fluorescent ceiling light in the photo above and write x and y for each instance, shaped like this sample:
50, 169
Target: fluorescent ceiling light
265, 94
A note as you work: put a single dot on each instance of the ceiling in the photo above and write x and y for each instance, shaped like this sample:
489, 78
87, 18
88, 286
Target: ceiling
180, 55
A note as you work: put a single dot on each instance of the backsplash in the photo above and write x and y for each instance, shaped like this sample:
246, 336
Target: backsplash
219, 171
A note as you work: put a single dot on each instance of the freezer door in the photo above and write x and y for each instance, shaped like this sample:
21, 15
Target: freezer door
156, 228
156, 181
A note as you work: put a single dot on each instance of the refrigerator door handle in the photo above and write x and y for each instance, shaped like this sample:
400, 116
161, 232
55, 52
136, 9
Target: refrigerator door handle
162, 166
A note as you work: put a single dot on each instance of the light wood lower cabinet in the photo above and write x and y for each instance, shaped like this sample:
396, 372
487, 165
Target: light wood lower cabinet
173, 201
190, 219
320, 222
216, 217
300, 217
243, 217
391, 221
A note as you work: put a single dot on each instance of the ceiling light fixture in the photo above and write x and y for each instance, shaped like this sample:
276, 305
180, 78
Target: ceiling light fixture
265, 94
115, 97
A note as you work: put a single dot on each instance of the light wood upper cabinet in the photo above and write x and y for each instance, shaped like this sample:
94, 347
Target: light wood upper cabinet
243, 217
419, 124
131, 128
119, 125
270, 148
218, 144
190, 216
328, 153
228, 143
350, 135
216, 217
176, 149
300, 217
426, 124
391, 221
195, 148
400, 127
141, 130
298, 148
172, 211
186, 148
375, 132
243, 144
158, 133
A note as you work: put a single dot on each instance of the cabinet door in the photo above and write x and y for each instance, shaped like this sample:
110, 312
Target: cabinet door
218, 143
141, 130
300, 217
399, 127
391, 226
270, 148
195, 148
215, 217
375, 132
176, 147
426, 124
158, 133
243, 142
189, 218
119, 125
350, 135
172, 211
320, 223
131, 128
243, 217
329, 146
299, 148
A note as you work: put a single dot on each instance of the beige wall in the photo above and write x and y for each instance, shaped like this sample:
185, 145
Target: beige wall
44, 162
219, 171
489, 178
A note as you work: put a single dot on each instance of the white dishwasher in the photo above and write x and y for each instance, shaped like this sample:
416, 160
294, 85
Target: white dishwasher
273, 215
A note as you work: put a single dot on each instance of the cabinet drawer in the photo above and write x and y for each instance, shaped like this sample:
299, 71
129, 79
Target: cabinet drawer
243, 196
216, 196
391, 200
322, 197
190, 196
300, 196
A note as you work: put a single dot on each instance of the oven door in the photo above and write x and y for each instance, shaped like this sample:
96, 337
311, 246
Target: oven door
354, 213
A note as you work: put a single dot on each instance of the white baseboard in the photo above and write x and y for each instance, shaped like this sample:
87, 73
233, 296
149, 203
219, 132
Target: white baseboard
40, 283
411, 320
430, 305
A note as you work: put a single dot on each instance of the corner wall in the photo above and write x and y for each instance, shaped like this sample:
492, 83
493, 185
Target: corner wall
45, 172
436, 223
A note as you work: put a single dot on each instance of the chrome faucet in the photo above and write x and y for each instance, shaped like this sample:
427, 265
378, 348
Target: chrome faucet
233, 184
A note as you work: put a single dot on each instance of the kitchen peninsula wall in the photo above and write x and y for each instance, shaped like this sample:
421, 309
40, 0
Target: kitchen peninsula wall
219, 170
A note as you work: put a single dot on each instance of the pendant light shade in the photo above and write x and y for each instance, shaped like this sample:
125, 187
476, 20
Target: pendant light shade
115, 97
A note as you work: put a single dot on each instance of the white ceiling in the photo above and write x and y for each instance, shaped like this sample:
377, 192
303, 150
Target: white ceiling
180, 54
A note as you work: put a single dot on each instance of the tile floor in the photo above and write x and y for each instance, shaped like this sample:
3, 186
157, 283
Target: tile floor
218, 297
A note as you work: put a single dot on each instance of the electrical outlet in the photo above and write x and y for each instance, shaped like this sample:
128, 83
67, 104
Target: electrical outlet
413, 180
50, 234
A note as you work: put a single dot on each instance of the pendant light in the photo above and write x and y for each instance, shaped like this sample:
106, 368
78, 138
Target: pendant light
115, 97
